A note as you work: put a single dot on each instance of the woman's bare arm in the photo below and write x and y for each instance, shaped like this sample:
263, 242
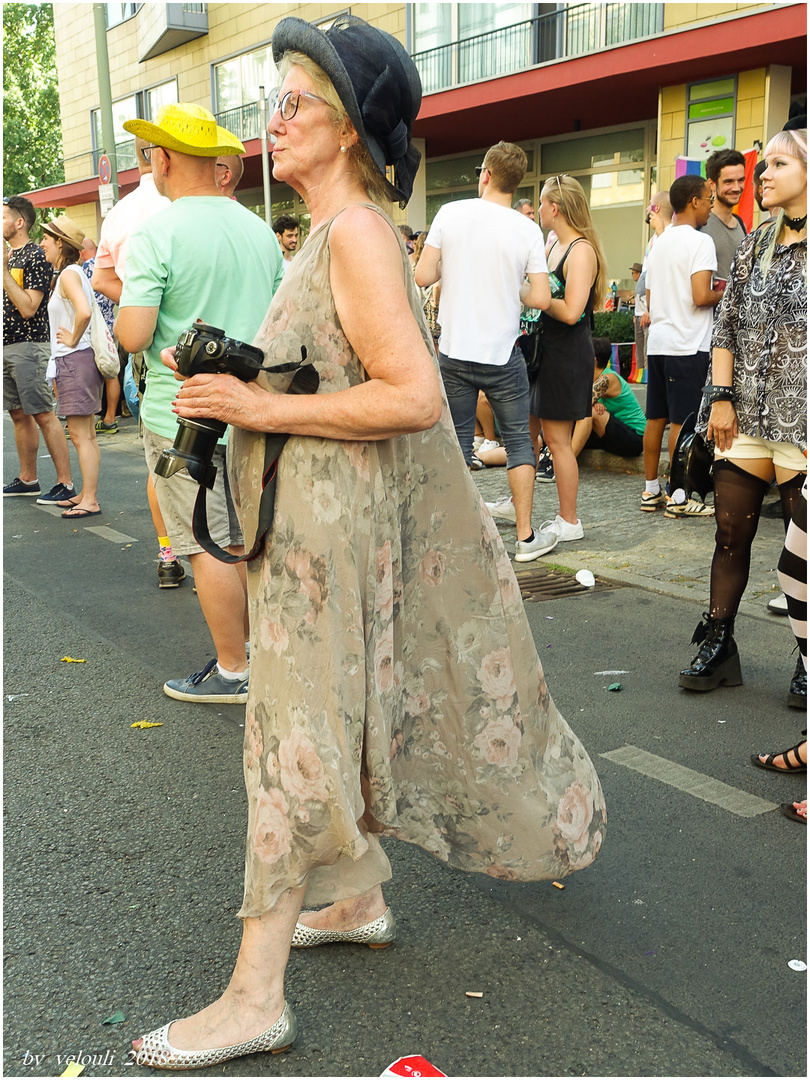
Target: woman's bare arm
402, 393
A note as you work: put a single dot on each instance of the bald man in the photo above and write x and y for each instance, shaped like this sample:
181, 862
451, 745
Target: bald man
228, 174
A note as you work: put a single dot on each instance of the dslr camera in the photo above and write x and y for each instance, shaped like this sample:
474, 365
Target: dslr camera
205, 348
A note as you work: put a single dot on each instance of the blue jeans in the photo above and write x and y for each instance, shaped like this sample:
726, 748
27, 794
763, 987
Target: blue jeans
507, 391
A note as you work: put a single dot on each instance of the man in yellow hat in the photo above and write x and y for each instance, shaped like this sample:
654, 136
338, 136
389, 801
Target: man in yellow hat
208, 258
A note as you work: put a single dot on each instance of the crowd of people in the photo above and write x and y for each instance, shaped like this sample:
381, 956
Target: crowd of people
377, 637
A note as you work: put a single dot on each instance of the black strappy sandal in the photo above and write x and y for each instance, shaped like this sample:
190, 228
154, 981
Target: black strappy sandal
789, 767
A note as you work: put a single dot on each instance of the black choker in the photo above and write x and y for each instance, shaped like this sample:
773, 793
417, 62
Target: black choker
796, 223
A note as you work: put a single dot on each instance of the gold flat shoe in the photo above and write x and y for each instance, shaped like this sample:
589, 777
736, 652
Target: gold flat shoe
157, 1052
377, 934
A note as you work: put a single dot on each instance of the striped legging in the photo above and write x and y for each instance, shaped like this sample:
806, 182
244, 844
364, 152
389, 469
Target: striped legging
792, 571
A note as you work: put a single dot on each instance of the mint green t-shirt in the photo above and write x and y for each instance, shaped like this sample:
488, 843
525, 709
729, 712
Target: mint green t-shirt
203, 257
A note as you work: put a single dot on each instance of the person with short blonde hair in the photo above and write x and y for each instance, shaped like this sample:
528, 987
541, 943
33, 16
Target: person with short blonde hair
506, 164
491, 263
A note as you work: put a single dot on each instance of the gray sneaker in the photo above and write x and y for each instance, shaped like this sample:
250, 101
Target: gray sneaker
504, 508
528, 550
208, 685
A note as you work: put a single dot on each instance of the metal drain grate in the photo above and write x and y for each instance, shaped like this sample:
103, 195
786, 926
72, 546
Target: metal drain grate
541, 584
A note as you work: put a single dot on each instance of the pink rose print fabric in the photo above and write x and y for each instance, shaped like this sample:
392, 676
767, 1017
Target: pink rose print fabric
395, 688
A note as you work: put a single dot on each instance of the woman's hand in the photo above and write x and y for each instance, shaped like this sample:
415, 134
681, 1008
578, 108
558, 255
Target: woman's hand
722, 425
225, 398
65, 337
167, 356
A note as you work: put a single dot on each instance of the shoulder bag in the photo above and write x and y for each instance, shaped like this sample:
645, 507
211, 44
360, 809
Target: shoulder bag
101, 339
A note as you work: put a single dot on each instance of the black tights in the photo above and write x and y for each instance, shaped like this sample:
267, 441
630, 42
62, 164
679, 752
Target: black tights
738, 499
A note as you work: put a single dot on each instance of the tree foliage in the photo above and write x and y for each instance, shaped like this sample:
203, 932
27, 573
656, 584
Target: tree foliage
32, 135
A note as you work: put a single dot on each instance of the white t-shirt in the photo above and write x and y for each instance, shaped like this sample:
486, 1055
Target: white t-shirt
62, 313
486, 252
677, 326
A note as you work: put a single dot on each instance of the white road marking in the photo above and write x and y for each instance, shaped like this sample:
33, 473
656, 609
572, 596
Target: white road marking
111, 534
693, 783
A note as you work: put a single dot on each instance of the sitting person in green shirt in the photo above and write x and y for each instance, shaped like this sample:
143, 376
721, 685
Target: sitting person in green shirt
617, 421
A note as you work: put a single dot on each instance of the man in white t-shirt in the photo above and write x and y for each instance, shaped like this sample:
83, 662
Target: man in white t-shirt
680, 301
484, 254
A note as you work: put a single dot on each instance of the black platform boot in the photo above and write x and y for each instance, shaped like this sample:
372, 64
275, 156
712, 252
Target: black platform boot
717, 661
797, 695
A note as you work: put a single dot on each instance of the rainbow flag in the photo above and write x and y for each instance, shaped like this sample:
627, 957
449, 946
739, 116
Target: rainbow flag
685, 166
637, 374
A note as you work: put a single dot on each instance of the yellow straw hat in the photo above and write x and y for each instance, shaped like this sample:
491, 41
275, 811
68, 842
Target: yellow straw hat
188, 129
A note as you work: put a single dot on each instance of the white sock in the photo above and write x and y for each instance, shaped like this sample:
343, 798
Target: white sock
233, 676
679, 496
653, 487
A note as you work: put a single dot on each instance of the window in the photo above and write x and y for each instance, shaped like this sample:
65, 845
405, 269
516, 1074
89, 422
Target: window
144, 105
504, 46
615, 169
457, 43
118, 13
237, 81
236, 90
710, 108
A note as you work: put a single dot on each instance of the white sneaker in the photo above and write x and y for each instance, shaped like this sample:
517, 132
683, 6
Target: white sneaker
504, 508
778, 605
487, 444
527, 550
563, 529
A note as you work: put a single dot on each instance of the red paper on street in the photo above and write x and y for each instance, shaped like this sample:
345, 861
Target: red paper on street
412, 1066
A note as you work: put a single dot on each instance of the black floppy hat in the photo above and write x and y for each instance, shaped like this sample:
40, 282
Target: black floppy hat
375, 79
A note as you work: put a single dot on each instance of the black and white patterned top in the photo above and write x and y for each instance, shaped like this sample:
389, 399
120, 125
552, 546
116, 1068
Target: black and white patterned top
763, 323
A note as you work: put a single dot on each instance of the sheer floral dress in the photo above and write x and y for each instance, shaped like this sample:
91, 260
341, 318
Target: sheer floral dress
395, 687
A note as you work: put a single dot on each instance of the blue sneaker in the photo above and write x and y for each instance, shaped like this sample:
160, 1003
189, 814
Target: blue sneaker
208, 685
59, 492
19, 487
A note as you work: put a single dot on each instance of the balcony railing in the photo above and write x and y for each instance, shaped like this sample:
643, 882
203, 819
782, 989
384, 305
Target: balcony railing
573, 31
243, 121
124, 153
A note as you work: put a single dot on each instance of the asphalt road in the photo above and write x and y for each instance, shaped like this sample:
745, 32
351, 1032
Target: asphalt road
124, 847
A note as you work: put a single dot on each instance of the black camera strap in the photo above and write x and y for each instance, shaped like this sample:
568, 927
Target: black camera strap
199, 522
305, 381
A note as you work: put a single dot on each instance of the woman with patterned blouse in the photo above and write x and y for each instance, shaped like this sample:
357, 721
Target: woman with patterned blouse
758, 403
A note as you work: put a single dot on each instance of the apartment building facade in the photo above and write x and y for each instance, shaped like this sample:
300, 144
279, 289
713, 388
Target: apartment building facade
612, 93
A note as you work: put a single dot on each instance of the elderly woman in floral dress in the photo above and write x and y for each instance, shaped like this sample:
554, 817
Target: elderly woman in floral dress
395, 687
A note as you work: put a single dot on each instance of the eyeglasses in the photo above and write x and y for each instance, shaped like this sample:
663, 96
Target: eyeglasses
147, 152
288, 105
480, 168
221, 165
705, 198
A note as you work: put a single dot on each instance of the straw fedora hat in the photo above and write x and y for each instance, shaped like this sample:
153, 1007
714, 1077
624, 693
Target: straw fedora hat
188, 129
63, 228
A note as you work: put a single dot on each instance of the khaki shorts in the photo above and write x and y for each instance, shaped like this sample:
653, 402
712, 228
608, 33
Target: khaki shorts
24, 385
176, 496
784, 455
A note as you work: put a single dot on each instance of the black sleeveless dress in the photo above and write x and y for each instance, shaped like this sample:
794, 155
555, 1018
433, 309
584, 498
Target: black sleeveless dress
562, 390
